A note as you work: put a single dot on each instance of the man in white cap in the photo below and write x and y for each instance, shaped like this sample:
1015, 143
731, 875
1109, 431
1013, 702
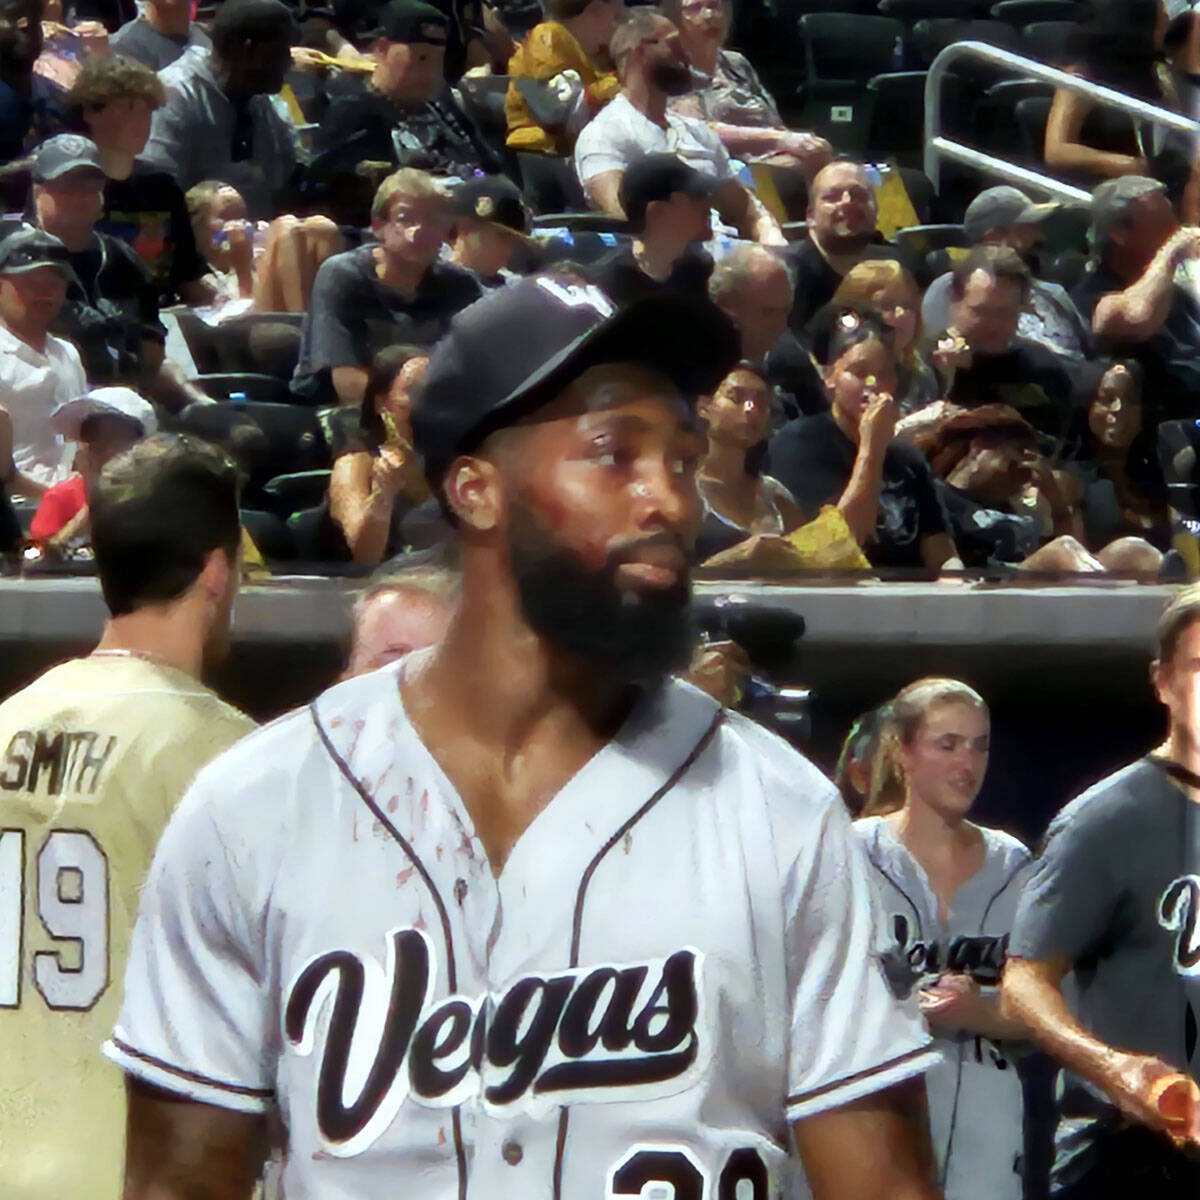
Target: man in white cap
104, 422
1005, 216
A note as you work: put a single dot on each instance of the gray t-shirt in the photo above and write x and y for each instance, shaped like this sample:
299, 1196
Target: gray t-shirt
1117, 892
139, 40
976, 1112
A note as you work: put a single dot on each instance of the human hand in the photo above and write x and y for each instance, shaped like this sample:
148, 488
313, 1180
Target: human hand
951, 352
767, 553
1130, 1081
953, 1002
389, 470
878, 424
721, 669
1183, 244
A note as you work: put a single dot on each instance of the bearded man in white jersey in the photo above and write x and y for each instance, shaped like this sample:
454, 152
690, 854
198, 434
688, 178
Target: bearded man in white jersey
517, 916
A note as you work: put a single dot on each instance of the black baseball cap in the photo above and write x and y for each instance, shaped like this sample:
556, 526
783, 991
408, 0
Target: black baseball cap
492, 198
411, 21
28, 249
518, 347
62, 153
659, 177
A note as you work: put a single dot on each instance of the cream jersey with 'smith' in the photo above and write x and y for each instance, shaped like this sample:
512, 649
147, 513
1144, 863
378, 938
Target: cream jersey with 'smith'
674, 964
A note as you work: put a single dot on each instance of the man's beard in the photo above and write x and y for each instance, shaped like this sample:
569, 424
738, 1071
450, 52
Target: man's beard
636, 637
672, 78
847, 243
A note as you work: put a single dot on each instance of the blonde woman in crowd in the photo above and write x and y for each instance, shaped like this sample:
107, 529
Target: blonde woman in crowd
948, 892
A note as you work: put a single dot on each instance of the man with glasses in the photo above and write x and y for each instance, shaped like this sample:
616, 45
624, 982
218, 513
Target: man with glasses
382, 294
651, 67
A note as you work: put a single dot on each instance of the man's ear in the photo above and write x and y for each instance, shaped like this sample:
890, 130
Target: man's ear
214, 577
1160, 679
475, 493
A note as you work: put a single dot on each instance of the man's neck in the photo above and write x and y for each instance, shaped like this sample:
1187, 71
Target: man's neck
702, 54
75, 240
840, 259
170, 22
532, 687
1183, 748
657, 255
648, 100
117, 164
726, 463
399, 273
35, 339
165, 633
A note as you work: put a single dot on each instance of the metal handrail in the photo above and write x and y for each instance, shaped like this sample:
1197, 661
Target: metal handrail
938, 147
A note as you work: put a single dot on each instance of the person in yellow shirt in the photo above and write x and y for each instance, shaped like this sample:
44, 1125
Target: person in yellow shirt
561, 75
94, 756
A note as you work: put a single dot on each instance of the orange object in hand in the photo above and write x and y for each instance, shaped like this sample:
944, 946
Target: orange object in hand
1176, 1098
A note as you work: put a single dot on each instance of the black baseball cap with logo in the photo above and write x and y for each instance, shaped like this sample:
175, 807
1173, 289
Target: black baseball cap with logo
659, 177
412, 22
517, 348
492, 198
28, 249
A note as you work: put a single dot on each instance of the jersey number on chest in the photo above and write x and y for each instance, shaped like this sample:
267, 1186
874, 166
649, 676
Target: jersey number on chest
66, 885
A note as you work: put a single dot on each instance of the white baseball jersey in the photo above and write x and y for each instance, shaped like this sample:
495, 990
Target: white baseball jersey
976, 1111
673, 964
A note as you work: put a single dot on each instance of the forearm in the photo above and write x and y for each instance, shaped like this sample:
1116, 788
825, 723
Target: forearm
368, 543
1138, 312
1075, 156
1038, 1006
859, 503
994, 1023
741, 140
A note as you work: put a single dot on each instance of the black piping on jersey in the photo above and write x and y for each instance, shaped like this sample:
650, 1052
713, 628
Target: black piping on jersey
586, 878
847, 1080
460, 1153
236, 1089
944, 1174
916, 910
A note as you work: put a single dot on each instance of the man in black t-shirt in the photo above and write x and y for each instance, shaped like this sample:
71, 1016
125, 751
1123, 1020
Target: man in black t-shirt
1130, 295
981, 358
841, 233
113, 99
404, 114
382, 294
1114, 900
668, 206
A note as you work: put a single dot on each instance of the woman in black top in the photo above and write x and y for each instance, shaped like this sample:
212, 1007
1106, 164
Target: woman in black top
377, 479
846, 457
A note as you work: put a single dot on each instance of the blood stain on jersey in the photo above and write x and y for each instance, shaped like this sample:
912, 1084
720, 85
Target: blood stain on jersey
404, 876
393, 803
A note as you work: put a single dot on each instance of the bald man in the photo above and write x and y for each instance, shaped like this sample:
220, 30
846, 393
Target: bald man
842, 215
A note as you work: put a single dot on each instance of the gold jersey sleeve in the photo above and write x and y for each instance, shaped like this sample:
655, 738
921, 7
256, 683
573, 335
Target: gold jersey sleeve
94, 756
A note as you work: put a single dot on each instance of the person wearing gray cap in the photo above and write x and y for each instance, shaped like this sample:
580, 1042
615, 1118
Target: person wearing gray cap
1005, 216
38, 371
1130, 292
218, 122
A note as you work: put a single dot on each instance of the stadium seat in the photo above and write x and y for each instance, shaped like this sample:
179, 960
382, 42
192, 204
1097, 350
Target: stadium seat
1025, 12
268, 389
290, 493
580, 249
1051, 42
995, 124
842, 53
931, 37
789, 12
306, 530
581, 222
549, 184
270, 534
1032, 115
897, 127
921, 10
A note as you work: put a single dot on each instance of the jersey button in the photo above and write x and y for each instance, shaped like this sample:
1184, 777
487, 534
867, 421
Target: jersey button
511, 1152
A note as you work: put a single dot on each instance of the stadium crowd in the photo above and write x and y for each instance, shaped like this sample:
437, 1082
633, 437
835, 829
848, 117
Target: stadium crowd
259, 219
288, 285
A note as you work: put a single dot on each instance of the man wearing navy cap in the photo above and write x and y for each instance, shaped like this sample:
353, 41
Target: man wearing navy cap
517, 915
404, 115
490, 223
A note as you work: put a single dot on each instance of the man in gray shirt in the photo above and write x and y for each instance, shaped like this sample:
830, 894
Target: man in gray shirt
1114, 900
160, 34
218, 122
